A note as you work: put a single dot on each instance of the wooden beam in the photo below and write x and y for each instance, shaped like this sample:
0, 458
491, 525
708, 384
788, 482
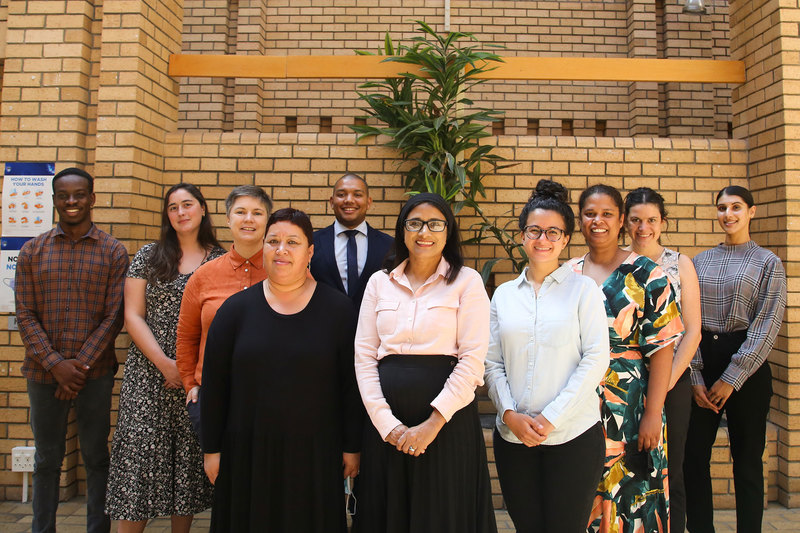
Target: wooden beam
513, 68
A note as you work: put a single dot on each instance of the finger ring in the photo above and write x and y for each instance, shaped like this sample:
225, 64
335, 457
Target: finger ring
411, 449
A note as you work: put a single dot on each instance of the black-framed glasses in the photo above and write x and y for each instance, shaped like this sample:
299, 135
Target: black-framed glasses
434, 224
551, 234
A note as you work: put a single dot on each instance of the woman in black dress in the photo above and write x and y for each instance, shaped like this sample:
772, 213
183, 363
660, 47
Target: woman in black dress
280, 407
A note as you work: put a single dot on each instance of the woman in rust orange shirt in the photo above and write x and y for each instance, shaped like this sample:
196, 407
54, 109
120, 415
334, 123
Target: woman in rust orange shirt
248, 207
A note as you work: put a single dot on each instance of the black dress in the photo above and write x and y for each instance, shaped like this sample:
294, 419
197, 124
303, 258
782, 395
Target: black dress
280, 403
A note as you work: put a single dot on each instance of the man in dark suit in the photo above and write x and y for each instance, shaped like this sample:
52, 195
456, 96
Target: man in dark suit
349, 251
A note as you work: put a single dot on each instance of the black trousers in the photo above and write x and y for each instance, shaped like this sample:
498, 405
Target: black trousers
678, 406
551, 488
746, 411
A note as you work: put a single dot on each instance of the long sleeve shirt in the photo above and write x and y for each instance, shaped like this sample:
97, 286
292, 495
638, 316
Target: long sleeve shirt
742, 287
69, 301
210, 285
436, 319
548, 352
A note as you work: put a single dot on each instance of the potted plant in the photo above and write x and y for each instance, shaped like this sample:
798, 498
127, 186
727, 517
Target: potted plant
429, 120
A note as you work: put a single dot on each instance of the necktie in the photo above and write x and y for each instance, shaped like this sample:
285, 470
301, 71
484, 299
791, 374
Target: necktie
352, 262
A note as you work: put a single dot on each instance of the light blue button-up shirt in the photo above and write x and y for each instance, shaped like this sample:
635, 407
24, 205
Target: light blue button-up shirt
548, 352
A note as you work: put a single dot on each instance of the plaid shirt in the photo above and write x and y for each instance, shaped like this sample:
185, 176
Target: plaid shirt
742, 287
69, 301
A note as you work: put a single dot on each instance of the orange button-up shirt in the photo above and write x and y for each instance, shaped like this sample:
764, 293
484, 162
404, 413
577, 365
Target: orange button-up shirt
206, 290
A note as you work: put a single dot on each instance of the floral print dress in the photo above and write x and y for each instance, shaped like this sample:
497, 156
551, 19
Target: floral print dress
156, 463
643, 317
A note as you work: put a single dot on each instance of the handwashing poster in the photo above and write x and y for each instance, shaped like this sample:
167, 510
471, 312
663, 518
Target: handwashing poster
27, 212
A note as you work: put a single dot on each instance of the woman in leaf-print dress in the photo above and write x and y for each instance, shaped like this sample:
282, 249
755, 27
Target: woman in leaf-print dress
156, 463
644, 321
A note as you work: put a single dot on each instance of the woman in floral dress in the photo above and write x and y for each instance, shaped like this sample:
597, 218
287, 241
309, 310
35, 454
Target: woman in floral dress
156, 464
644, 321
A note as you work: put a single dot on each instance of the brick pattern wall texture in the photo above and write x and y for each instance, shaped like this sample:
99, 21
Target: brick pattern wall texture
299, 170
85, 84
613, 28
766, 111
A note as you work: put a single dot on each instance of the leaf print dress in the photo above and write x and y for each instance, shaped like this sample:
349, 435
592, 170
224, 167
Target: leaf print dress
643, 317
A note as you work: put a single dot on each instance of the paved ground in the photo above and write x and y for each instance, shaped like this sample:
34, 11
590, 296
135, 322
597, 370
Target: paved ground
16, 517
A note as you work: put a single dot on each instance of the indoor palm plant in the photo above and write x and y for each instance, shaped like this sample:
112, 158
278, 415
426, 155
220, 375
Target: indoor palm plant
431, 122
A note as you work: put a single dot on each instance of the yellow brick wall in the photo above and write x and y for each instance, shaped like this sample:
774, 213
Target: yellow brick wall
85, 84
613, 28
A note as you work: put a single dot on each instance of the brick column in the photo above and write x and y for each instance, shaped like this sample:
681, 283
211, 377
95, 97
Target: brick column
766, 111
209, 26
689, 107
248, 106
46, 87
137, 106
642, 96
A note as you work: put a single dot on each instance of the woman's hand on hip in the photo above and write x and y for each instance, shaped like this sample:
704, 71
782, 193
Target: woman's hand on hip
417, 439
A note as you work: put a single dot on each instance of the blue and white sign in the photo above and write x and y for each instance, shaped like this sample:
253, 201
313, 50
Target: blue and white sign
27, 212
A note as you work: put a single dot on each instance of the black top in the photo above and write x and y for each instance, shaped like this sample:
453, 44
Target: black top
280, 402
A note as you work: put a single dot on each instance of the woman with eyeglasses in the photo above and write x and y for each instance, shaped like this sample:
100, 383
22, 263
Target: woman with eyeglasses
743, 297
643, 324
422, 336
548, 350
280, 408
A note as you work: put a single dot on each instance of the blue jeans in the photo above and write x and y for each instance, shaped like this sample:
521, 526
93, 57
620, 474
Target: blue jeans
49, 424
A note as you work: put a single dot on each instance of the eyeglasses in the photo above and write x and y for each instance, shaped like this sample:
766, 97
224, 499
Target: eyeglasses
434, 224
534, 232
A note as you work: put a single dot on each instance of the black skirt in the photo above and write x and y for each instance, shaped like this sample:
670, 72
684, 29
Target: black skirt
444, 490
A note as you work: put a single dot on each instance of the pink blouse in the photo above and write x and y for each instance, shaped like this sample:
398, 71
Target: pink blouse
437, 319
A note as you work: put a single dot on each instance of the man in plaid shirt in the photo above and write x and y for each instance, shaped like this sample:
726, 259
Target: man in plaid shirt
69, 285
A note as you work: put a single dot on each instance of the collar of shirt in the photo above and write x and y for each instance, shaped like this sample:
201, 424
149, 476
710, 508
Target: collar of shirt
737, 247
399, 273
257, 260
338, 228
558, 275
93, 233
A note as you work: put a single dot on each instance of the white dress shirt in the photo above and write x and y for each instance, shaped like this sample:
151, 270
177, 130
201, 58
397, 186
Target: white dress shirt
548, 352
340, 248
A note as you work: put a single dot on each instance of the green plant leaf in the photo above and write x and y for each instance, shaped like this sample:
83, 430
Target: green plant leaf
429, 118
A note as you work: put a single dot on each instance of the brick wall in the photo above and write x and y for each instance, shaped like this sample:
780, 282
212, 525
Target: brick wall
766, 110
299, 170
614, 28
85, 84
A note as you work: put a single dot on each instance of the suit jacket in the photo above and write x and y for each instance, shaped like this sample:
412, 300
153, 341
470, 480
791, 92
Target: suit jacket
324, 267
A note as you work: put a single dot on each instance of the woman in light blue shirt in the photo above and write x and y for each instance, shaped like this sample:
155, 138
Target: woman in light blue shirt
548, 352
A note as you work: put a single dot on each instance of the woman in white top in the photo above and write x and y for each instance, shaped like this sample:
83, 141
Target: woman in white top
548, 351
645, 216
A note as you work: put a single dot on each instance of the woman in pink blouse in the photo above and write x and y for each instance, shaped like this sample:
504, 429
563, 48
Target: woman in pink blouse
423, 333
